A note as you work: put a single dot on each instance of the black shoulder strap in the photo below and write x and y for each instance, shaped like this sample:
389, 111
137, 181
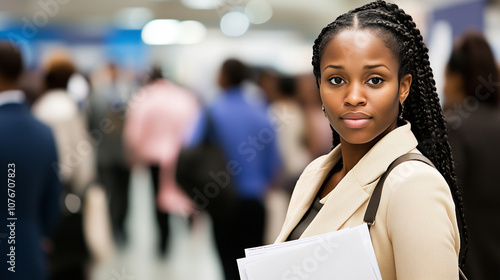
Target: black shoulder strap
372, 208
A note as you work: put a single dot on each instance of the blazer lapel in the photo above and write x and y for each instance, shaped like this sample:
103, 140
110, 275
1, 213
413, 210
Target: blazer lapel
352, 192
338, 206
302, 198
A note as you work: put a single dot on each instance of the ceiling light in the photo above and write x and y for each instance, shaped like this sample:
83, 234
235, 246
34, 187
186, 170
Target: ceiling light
192, 32
161, 32
172, 31
234, 24
202, 4
258, 11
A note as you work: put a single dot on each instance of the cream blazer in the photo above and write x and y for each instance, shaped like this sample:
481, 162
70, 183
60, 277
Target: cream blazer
415, 235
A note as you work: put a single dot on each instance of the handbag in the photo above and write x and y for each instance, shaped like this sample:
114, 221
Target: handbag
201, 172
371, 210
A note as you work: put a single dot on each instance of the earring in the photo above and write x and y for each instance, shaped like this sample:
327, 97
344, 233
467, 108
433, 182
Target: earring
324, 110
401, 110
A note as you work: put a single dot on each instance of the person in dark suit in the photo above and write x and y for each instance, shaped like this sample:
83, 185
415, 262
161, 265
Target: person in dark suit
471, 95
107, 104
30, 185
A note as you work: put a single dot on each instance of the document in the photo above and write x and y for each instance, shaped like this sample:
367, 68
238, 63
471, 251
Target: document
343, 254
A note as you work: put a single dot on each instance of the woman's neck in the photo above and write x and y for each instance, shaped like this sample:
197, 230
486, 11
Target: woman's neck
352, 153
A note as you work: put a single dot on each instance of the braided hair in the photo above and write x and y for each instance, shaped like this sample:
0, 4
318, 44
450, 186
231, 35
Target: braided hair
422, 108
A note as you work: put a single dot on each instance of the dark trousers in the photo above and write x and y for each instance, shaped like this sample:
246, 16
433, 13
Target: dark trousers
116, 181
69, 255
161, 217
237, 230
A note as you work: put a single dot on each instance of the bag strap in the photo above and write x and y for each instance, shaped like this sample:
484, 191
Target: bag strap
371, 210
209, 127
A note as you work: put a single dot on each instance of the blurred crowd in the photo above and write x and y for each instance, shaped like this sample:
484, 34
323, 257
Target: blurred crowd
266, 125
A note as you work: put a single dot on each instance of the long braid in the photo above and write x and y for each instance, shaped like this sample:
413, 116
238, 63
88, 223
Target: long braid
430, 126
427, 119
422, 108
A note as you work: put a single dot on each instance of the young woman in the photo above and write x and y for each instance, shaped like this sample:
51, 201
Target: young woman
378, 93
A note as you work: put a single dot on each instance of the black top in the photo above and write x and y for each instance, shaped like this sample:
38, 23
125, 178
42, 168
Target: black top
474, 141
306, 220
314, 209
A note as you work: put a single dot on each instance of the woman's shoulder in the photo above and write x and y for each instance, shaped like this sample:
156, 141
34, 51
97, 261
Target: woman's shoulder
414, 172
414, 181
417, 205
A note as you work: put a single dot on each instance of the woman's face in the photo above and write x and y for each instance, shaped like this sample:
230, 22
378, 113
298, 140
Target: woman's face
359, 86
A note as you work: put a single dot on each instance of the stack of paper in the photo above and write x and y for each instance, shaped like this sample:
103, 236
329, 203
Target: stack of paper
343, 254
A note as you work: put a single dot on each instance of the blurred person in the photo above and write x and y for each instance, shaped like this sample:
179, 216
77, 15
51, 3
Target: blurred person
318, 134
471, 98
56, 109
248, 139
30, 183
106, 114
267, 80
289, 119
158, 122
32, 85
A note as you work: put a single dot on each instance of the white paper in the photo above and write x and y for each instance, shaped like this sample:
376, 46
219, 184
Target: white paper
344, 254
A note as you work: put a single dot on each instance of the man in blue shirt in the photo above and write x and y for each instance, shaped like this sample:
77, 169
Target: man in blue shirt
247, 137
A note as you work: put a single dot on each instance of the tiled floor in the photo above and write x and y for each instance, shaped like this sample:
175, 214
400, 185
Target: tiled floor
191, 256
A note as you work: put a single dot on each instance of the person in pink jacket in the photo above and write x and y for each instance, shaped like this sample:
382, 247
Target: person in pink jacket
159, 119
